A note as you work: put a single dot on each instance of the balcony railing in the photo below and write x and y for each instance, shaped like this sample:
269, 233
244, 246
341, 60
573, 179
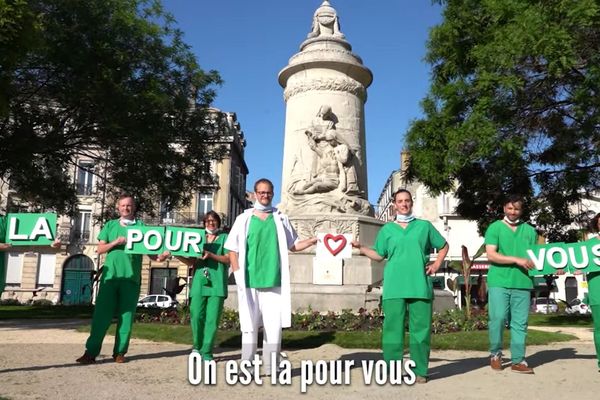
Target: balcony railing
174, 218
84, 189
78, 236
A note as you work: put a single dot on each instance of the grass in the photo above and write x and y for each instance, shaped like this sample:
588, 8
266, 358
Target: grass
477, 340
305, 339
560, 320
46, 312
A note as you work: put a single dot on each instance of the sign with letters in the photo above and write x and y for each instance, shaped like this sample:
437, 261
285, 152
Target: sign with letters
153, 240
29, 229
569, 257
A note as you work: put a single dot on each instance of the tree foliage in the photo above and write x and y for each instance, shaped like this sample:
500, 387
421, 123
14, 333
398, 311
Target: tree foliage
514, 106
110, 80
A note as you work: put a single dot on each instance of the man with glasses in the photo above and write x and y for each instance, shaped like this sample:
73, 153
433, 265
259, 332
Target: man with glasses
258, 245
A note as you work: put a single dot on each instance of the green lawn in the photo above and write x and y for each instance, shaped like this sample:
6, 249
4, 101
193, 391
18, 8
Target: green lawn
354, 339
45, 312
560, 320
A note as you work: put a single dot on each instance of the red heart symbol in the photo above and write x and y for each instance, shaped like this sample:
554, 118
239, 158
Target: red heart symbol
339, 241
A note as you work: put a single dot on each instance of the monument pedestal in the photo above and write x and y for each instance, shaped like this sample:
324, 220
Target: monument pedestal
335, 284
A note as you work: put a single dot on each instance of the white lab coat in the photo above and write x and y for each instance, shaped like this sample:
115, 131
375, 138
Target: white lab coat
236, 241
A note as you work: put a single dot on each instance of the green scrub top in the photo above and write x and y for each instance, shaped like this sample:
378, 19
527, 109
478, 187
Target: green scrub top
217, 272
2, 255
407, 251
262, 254
510, 243
118, 264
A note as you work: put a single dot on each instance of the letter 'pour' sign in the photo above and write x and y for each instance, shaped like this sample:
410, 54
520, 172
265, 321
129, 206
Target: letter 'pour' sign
187, 242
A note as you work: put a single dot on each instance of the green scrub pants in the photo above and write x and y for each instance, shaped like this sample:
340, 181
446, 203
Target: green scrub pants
419, 326
115, 298
503, 302
205, 314
596, 319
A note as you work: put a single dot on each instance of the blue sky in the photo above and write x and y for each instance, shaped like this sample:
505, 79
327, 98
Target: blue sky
250, 41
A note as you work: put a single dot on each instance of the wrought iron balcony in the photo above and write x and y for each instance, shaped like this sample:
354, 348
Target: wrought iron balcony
174, 218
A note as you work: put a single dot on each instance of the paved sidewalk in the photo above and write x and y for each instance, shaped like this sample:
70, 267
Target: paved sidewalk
37, 362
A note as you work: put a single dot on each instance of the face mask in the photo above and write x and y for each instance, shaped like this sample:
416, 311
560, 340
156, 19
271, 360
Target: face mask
512, 223
259, 207
212, 231
127, 222
404, 218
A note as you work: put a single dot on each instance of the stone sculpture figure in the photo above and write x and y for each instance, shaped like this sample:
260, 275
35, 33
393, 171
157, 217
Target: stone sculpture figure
329, 183
325, 22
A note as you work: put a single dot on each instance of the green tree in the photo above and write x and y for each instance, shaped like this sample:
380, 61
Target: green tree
111, 80
514, 106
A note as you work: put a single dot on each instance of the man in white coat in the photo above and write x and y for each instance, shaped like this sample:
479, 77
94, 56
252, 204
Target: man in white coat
258, 245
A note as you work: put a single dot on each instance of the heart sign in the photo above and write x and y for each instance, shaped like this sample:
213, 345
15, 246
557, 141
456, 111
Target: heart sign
335, 243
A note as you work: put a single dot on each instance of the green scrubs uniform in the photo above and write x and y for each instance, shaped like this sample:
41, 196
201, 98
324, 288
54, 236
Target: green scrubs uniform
509, 287
593, 300
207, 296
407, 287
118, 294
262, 254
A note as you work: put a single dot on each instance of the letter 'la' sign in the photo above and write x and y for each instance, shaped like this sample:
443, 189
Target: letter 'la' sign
27, 229
569, 257
187, 242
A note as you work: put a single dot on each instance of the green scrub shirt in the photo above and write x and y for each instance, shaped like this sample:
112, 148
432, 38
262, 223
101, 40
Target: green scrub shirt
510, 243
407, 251
262, 255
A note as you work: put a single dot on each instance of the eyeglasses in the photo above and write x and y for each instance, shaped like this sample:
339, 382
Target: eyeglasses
210, 221
264, 193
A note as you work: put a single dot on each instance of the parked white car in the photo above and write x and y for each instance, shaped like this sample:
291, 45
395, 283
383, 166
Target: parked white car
576, 306
157, 300
544, 305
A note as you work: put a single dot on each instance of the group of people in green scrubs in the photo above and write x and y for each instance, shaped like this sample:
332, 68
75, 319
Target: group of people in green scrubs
257, 250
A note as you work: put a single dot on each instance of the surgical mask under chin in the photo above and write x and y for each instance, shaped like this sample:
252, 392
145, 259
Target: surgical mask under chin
212, 231
259, 207
127, 222
508, 221
404, 218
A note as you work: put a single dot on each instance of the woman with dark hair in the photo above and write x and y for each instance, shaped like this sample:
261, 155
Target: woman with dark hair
593, 279
406, 243
209, 286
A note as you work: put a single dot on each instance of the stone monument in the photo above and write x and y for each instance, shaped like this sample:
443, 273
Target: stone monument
324, 183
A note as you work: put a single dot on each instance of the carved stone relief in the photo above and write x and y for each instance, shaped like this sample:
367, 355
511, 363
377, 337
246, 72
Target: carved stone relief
323, 178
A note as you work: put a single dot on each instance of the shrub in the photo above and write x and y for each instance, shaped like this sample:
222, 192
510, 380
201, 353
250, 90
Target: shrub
454, 320
10, 302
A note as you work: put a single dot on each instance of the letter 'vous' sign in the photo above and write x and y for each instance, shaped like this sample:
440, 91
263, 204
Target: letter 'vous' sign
569, 257
187, 242
28, 229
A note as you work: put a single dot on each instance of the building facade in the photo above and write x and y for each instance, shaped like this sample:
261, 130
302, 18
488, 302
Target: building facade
67, 276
